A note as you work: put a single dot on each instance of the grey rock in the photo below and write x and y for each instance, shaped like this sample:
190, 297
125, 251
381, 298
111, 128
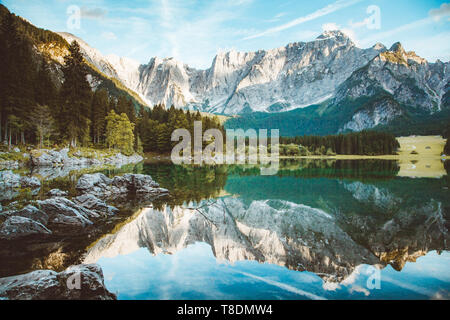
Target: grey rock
57, 193
33, 213
103, 187
9, 180
91, 182
15, 227
30, 182
9, 164
55, 158
64, 212
81, 282
91, 202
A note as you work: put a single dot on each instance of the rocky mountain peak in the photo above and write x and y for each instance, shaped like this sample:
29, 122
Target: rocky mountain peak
380, 47
334, 34
397, 48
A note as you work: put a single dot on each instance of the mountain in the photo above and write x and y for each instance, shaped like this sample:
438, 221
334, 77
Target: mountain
297, 75
325, 86
396, 91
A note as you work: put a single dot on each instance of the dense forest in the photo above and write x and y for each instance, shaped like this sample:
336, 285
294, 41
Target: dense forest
36, 109
359, 143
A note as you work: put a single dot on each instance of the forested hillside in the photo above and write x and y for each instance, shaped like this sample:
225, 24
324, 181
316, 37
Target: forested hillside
36, 107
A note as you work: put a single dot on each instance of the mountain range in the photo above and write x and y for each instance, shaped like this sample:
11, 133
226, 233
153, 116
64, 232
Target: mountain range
325, 86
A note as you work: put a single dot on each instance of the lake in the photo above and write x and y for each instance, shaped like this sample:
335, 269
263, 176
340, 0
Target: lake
318, 229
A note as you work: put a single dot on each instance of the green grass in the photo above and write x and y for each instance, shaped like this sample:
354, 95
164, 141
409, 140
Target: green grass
91, 153
13, 156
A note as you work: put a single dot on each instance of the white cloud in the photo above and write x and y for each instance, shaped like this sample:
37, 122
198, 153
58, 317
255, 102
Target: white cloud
359, 289
340, 4
442, 12
330, 26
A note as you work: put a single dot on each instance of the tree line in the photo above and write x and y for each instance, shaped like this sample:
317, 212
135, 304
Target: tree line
357, 143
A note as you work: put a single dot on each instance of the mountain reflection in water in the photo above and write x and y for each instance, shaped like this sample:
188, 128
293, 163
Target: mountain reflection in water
318, 229
330, 221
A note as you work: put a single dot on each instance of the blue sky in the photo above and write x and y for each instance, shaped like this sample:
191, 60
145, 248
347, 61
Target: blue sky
193, 31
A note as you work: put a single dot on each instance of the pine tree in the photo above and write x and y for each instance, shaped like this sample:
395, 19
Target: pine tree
44, 123
76, 98
99, 111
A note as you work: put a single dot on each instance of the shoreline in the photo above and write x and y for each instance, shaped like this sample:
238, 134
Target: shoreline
362, 157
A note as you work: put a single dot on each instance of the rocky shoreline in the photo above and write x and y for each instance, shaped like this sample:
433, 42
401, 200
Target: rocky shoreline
62, 158
60, 215
80, 282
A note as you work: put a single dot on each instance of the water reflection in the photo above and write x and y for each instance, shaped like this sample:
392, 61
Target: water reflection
311, 231
330, 224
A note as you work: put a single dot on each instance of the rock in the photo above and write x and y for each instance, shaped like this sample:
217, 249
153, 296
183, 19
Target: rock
27, 182
33, 213
121, 160
64, 212
92, 182
57, 193
54, 158
91, 202
81, 282
101, 186
16, 227
9, 164
9, 180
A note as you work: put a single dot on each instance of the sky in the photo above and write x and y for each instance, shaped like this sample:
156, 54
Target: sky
194, 31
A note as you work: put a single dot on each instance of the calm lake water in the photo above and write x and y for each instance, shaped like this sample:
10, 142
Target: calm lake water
316, 230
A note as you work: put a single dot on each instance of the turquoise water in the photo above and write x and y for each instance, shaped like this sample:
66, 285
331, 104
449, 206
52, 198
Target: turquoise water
194, 273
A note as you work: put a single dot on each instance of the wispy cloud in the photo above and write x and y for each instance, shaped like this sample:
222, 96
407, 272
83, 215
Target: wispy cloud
390, 33
277, 17
434, 16
340, 4
286, 287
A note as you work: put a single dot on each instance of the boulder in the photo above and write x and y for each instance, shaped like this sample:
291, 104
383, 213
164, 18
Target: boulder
27, 182
101, 186
9, 164
33, 213
15, 227
62, 211
93, 182
81, 282
9, 180
91, 202
57, 193
55, 158
121, 160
